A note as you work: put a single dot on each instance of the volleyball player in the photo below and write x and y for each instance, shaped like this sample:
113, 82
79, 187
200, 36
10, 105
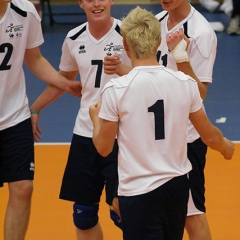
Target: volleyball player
149, 109
20, 38
87, 172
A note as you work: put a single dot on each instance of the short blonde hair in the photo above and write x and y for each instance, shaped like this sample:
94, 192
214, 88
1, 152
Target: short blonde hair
142, 31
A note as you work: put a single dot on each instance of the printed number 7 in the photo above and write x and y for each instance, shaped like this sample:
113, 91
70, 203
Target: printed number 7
99, 72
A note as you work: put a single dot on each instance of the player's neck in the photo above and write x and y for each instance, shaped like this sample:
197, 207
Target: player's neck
144, 62
3, 8
178, 14
101, 28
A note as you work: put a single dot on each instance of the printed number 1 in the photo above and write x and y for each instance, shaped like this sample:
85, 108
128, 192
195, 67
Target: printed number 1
99, 72
158, 109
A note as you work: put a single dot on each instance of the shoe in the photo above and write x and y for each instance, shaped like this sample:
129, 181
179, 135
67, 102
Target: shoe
210, 5
226, 7
234, 26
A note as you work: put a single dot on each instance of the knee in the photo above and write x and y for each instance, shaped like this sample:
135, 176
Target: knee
116, 219
21, 190
85, 217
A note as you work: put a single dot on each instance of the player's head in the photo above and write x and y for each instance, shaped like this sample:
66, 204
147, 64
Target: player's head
142, 33
96, 10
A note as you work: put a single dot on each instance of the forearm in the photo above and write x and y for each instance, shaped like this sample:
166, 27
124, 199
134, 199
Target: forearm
50, 94
186, 68
215, 140
40, 67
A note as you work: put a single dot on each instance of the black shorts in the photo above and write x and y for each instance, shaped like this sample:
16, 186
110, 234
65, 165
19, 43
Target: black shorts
17, 153
87, 172
157, 215
197, 151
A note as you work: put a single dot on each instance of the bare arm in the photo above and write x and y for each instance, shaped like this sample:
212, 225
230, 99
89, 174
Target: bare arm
104, 132
172, 42
39, 66
50, 94
211, 135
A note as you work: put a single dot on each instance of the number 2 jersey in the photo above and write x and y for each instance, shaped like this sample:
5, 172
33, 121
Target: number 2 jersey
201, 51
82, 52
20, 30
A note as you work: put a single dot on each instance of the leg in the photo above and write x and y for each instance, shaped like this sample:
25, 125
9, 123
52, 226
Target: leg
17, 169
18, 210
196, 222
197, 227
94, 233
83, 183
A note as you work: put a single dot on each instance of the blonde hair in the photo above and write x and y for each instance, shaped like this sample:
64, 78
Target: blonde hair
142, 31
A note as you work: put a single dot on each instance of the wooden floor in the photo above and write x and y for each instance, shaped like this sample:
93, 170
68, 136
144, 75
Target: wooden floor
51, 218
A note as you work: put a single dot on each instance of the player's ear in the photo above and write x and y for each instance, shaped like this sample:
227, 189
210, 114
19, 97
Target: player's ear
125, 45
80, 4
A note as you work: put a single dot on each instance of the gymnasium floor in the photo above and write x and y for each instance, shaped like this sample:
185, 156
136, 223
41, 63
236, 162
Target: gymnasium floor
51, 218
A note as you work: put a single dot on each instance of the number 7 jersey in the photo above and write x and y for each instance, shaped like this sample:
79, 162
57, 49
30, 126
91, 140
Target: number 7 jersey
82, 52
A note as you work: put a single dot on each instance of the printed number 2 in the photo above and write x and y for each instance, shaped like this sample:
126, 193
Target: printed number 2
158, 109
99, 72
9, 49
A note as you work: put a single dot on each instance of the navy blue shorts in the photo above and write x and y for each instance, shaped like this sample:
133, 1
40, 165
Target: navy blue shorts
87, 172
17, 153
156, 215
197, 151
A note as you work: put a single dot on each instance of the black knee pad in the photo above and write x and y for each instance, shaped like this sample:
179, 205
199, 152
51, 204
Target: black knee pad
116, 219
85, 216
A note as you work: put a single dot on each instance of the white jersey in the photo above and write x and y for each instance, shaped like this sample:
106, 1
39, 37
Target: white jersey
201, 51
20, 30
82, 52
152, 105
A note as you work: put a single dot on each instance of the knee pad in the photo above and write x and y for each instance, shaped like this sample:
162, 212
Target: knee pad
85, 217
116, 219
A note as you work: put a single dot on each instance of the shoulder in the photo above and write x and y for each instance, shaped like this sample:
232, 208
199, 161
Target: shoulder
201, 33
23, 7
78, 31
160, 16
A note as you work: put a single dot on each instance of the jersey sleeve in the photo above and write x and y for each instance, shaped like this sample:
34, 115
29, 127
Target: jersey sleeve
67, 62
108, 109
195, 96
35, 35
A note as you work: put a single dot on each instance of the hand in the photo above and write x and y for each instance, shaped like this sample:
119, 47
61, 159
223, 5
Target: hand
111, 64
74, 88
36, 130
229, 150
94, 110
174, 38
115, 206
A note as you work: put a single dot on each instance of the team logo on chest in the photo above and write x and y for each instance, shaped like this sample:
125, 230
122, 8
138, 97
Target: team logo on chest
112, 49
14, 31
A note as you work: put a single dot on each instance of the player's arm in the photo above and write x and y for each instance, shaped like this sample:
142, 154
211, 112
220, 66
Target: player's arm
211, 135
39, 66
104, 132
50, 94
178, 50
113, 65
